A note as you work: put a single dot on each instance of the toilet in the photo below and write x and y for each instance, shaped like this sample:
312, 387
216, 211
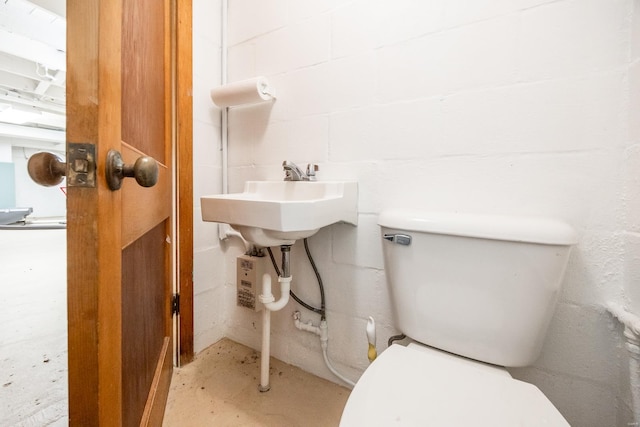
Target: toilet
475, 294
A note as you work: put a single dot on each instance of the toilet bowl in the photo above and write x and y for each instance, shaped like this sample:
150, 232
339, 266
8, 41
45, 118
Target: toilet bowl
476, 293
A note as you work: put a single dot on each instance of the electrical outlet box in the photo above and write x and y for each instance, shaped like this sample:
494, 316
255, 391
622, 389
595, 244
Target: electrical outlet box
249, 281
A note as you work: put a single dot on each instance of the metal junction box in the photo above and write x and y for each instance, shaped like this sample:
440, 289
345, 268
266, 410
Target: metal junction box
249, 281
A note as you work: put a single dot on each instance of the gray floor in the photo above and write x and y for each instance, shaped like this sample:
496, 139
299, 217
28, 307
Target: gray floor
33, 334
220, 387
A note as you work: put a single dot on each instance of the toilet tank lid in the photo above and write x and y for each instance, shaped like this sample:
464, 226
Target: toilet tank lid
541, 230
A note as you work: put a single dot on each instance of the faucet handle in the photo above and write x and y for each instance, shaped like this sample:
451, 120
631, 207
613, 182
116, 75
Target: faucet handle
312, 168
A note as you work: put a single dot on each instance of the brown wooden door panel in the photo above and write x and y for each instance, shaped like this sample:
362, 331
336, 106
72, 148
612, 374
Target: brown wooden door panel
143, 208
119, 242
144, 76
144, 310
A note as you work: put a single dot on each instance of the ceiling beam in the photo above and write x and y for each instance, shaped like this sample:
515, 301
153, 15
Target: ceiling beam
25, 68
59, 7
55, 147
37, 134
21, 100
45, 84
28, 86
33, 50
17, 82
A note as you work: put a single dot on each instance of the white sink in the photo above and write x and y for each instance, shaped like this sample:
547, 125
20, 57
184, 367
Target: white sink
273, 213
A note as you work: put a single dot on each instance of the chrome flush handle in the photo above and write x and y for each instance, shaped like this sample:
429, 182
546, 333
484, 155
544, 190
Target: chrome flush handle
400, 239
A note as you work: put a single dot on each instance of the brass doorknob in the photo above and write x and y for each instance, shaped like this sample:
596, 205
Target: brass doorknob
144, 170
46, 169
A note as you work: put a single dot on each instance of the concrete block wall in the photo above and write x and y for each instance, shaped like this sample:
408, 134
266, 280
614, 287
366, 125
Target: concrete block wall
208, 274
631, 233
525, 107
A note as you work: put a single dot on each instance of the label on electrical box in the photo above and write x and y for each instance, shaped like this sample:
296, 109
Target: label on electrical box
246, 298
249, 277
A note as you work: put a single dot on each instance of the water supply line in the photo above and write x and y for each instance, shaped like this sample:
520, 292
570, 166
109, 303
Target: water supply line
631, 323
323, 332
270, 304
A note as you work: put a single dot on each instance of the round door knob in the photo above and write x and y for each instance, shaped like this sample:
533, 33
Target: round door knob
144, 170
46, 169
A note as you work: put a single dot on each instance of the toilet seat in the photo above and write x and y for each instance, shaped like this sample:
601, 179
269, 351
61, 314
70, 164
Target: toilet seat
422, 386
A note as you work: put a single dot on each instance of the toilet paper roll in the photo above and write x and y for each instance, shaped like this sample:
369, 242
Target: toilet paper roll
248, 91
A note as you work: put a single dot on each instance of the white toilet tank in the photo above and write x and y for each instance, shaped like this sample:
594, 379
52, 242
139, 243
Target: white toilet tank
480, 286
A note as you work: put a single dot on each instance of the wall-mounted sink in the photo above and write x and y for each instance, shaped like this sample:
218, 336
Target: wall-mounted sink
273, 213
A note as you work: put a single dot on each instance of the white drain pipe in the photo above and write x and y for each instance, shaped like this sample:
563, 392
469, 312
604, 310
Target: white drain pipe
631, 324
270, 304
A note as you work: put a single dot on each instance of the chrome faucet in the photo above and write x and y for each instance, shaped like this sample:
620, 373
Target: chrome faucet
294, 173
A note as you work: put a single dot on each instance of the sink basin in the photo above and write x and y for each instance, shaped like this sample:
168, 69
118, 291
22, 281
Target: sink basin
273, 213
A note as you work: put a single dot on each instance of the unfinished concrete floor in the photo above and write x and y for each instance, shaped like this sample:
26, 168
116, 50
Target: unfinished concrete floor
220, 388
33, 328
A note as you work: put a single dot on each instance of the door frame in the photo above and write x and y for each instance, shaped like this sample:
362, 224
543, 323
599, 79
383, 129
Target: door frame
183, 54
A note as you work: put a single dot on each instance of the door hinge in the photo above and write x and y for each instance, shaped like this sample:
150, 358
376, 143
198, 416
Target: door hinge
175, 304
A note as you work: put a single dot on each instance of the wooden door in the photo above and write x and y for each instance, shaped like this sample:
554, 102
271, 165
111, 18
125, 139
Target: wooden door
120, 242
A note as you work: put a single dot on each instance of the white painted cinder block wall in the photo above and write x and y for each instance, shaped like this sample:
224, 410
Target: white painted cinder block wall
208, 274
515, 107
